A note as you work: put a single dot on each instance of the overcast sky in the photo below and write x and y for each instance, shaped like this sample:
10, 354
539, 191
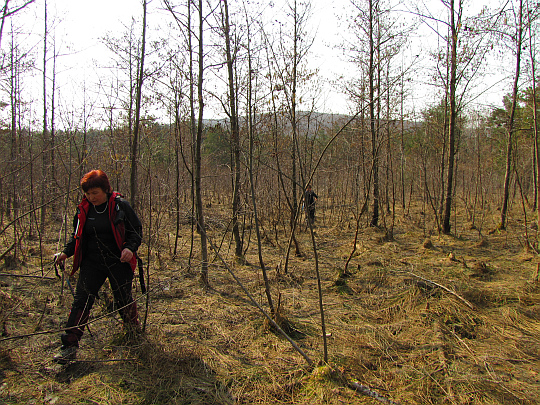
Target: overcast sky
79, 26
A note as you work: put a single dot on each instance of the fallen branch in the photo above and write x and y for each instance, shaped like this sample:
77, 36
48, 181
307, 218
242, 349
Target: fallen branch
365, 390
106, 360
7, 251
470, 305
26, 276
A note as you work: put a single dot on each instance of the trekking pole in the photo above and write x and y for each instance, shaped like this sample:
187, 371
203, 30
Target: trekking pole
63, 268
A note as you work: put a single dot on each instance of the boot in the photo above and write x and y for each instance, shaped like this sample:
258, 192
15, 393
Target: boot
65, 355
70, 339
130, 316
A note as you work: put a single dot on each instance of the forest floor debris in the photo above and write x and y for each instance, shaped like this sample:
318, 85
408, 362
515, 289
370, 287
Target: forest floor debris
418, 319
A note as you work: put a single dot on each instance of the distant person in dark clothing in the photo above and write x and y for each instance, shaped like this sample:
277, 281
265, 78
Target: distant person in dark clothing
107, 233
309, 201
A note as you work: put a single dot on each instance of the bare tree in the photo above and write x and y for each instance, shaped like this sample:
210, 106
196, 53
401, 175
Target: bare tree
374, 85
467, 45
45, 131
230, 55
198, 135
251, 108
532, 15
7, 12
518, 42
454, 24
136, 129
195, 75
286, 65
376, 42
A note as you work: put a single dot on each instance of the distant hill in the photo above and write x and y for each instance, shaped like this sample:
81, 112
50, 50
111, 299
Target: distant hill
310, 121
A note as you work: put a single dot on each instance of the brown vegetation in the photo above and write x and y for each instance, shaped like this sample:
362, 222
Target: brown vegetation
420, 282
405, 321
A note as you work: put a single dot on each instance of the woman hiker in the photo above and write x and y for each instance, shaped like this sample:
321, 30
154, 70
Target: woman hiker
107, 233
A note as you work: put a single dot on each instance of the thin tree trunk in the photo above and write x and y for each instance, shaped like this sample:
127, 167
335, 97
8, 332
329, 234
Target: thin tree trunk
12, 201
402, 146
294, 198
453, 119
536, 141
235, 132
510, 126
177, 143
53, 111
136, 129
45, 156
373, 129
198, 161
252, 183
535, 118
192, 128
4, 15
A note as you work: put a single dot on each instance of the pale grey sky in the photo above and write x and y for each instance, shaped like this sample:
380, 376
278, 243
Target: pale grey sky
79, 25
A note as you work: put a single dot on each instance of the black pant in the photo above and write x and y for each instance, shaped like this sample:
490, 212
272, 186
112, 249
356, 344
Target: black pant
92, 276
311, 213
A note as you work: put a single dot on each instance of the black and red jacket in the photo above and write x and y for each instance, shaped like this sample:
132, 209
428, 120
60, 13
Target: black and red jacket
126, 226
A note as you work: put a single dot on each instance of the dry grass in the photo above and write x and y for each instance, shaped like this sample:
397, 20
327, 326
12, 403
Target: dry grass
388, 326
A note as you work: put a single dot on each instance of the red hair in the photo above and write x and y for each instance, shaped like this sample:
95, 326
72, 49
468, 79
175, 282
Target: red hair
96, 178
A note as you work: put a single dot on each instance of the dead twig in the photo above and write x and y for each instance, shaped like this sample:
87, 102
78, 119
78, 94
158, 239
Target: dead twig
470, 305
108, 360
26, 276
365, 390
7, 251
